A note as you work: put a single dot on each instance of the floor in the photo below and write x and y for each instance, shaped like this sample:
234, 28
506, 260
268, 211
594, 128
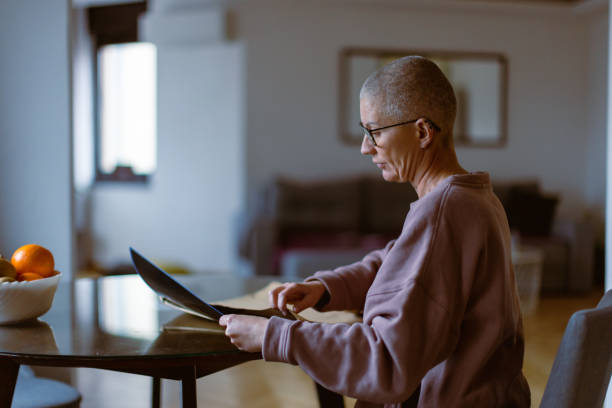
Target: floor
543, 332
259, 384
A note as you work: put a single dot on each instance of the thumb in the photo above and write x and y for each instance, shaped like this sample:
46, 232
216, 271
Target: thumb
303, 303
223, 320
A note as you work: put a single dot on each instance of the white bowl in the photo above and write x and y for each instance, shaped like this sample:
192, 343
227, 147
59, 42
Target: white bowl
26, 300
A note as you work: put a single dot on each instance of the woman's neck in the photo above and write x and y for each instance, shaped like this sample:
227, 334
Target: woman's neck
436, 168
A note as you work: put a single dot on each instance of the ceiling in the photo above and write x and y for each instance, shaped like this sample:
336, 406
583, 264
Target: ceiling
89, 3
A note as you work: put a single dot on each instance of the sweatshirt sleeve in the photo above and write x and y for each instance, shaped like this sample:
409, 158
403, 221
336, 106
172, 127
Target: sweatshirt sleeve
347, 285
381, 360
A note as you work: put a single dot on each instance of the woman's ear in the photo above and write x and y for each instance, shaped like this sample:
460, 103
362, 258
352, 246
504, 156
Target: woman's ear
425, 133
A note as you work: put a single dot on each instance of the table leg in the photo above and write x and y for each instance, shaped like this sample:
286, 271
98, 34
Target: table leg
328, 399
156, 392
189, 388
8, 379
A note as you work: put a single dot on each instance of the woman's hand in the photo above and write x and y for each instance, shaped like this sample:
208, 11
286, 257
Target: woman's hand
245, 332
301, 295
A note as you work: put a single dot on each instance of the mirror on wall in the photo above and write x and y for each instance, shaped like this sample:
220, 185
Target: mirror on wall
479, 80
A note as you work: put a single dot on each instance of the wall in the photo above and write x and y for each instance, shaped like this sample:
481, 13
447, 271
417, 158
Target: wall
35, 130
292, 79
595, 137
290, 74
186, 214
608, 190
608, 280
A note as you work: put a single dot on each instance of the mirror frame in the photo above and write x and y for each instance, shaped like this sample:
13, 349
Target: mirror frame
344, 81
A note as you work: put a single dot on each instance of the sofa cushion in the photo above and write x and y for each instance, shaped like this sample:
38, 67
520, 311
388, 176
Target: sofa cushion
317, 206
385, 205
531, 213
505, 189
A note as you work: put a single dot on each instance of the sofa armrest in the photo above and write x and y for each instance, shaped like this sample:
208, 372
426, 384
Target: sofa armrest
581, 240
257, 236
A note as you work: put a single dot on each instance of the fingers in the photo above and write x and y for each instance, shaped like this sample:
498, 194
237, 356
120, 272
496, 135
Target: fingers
291, 292
273, 295
245, 332
279, 296
301, 295
229, 321
226, 321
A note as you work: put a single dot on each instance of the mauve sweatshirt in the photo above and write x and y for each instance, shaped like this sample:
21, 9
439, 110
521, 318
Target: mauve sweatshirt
440, 309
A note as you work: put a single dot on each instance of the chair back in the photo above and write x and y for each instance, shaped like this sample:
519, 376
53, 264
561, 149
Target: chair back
581, 372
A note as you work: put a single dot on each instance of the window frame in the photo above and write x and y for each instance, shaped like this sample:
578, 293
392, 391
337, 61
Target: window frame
114, 24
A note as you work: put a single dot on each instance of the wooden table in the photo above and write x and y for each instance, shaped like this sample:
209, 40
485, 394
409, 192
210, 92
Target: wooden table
114, 323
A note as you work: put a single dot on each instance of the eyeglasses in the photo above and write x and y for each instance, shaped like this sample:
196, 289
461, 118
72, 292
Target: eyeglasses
369, 132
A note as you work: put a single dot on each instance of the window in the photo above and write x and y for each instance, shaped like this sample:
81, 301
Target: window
125, 102
126, 109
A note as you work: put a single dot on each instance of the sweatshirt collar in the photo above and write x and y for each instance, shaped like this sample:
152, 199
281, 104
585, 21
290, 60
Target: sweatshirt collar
479, 179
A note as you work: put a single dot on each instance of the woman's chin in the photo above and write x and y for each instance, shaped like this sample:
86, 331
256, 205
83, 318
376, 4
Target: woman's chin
393, 177
389, 176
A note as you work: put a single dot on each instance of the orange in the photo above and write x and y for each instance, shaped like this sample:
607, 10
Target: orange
35, 259
29, 276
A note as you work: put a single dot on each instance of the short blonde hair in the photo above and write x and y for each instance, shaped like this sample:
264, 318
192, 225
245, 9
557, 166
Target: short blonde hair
412, 87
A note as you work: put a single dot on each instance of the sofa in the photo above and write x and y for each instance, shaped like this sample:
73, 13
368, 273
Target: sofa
299, 227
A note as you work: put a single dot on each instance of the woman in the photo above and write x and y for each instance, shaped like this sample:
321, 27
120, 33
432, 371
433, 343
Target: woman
440, 309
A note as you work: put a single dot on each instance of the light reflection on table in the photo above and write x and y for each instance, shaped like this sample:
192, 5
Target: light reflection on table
120, 316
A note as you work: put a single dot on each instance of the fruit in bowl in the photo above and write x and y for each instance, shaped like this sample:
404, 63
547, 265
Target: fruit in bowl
33, 262
7, 270
27, 284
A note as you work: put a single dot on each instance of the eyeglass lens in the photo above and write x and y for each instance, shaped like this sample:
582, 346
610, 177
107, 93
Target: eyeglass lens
366, 132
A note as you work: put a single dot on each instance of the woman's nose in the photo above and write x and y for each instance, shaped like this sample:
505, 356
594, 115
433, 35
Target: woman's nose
366, 146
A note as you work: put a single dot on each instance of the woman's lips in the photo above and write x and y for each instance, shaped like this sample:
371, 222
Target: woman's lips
380, 165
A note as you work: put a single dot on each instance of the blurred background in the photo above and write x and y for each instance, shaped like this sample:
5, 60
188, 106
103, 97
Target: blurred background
162, 124
219, 136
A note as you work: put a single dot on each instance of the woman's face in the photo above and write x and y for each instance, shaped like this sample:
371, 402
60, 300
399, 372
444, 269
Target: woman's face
397, 152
